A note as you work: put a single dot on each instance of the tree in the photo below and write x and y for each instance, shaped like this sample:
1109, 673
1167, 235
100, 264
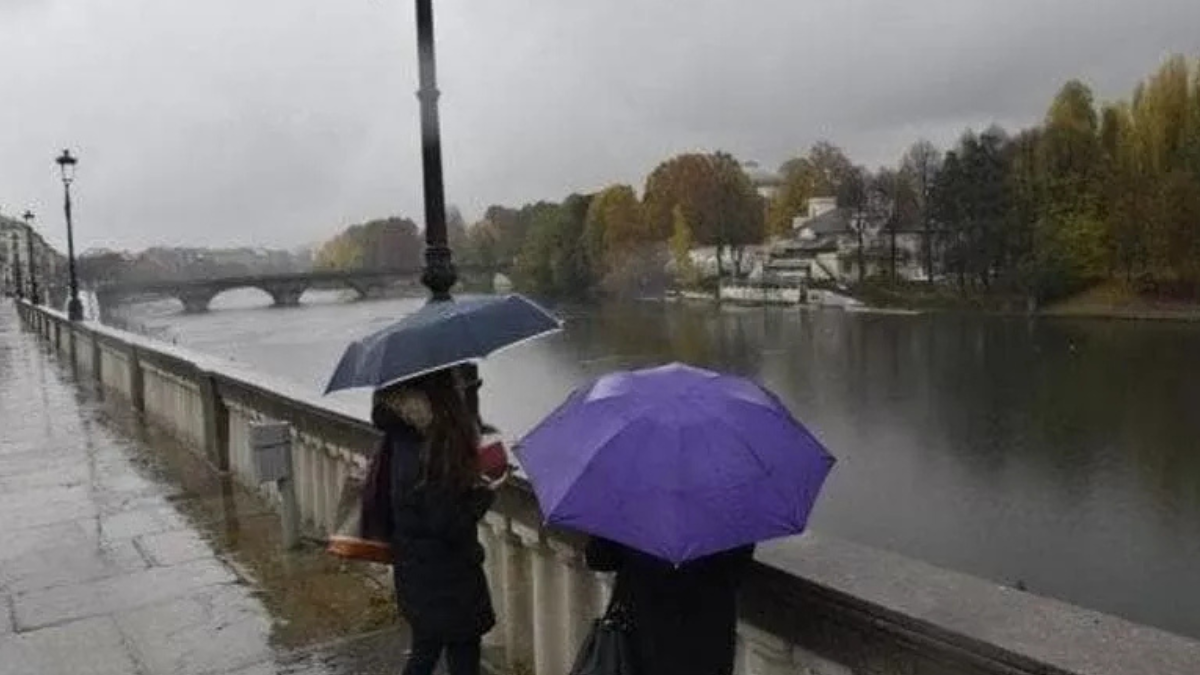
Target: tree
456, 230
552, 260
716, 196
820, 173
854, 194
572, 273
1165, 152
386, 244
508, 230
895, 207
948, 209
612, 227
99, 267
681, 250
1027, 204
535, 261
483, 246
921, 165
1070, 155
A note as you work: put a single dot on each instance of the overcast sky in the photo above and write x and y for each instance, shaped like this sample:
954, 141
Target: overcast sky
277, 122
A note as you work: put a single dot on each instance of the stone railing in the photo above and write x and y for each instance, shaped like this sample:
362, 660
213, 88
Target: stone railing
811, 606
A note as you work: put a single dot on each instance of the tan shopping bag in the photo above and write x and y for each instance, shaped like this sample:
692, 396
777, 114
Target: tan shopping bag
363, 523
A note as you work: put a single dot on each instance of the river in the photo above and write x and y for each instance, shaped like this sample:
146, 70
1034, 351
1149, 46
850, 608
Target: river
1061, 454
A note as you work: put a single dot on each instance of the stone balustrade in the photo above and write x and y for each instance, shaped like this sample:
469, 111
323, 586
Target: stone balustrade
811, 606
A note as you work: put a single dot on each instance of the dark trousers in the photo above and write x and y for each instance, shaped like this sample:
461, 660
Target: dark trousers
462, 658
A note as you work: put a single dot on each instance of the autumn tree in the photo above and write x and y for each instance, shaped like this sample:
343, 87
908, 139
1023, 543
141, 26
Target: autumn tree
717, 199
820, 173
386, 244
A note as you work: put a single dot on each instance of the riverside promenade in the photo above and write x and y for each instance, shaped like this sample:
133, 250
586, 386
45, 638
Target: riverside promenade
123, 555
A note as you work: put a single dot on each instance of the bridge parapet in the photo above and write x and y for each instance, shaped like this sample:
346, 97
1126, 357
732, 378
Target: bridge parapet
285, 290
812, 606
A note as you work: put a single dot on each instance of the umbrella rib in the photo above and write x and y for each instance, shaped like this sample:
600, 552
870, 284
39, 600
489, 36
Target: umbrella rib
586, 465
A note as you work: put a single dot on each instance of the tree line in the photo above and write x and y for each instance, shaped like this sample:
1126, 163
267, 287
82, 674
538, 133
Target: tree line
1092, 193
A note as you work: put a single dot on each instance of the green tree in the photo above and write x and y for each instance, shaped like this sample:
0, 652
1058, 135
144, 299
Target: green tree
920, 166
456, 231
613, 226
854, 194
895, 208
1073, 231
681, 250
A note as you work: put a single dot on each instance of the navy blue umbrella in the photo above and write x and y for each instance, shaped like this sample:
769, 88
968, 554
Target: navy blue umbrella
440, 335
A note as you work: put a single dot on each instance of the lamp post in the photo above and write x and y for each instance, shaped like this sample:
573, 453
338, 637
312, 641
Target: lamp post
66, 165
18, 283
439, 275
34, 296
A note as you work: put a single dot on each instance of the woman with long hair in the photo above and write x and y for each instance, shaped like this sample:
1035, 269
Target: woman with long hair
437, 500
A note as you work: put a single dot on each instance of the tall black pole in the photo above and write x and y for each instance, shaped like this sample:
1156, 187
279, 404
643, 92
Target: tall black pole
34, 296
66, 164
74, 307
18, 282
439, 276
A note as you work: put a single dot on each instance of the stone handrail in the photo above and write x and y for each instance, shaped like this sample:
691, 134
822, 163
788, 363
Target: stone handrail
811, 606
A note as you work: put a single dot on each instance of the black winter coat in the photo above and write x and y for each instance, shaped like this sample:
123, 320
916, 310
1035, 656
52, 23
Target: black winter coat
685, 618
441, 589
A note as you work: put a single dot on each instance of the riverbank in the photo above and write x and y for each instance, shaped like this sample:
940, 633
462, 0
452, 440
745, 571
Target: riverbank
1119, 301
1106, 301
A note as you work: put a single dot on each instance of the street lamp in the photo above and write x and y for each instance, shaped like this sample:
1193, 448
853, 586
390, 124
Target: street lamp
18, 283
66, 164
34, 296
439, 275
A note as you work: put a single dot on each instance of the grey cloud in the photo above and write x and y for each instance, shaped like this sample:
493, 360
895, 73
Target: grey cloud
279, 121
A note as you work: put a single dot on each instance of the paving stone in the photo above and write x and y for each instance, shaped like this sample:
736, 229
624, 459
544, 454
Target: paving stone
159, 584
36, 508
135, 523
21, 541
215, 631
93, 646
70, 474
174, 548
68, 565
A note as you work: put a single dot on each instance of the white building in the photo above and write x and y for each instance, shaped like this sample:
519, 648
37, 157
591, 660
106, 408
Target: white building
824, 246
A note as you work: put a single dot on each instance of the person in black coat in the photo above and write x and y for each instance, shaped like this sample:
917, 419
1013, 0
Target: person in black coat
684, 618
437, 500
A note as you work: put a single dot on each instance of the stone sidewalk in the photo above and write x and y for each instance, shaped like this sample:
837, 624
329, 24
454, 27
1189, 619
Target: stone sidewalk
122, 553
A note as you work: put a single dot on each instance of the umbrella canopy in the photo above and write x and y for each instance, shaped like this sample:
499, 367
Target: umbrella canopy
439, 335
675, 461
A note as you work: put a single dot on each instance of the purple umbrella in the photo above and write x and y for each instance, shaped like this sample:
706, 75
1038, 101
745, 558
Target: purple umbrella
675, 461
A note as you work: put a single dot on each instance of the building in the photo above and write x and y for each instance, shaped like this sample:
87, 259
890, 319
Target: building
825, 242
15, 244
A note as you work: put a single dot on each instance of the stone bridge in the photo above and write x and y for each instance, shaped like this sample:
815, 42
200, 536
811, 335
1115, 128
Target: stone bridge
285, 289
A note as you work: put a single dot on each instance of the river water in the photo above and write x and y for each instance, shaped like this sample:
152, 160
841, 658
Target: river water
1061, 454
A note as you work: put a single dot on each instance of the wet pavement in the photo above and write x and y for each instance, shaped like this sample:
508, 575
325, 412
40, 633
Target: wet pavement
123, 553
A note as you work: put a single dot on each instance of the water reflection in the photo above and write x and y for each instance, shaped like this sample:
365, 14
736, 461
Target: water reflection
1059, 453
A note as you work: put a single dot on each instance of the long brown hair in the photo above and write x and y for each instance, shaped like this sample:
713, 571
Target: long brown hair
450, 458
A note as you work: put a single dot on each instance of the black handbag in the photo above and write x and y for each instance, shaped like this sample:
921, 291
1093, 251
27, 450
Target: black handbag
608, 648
